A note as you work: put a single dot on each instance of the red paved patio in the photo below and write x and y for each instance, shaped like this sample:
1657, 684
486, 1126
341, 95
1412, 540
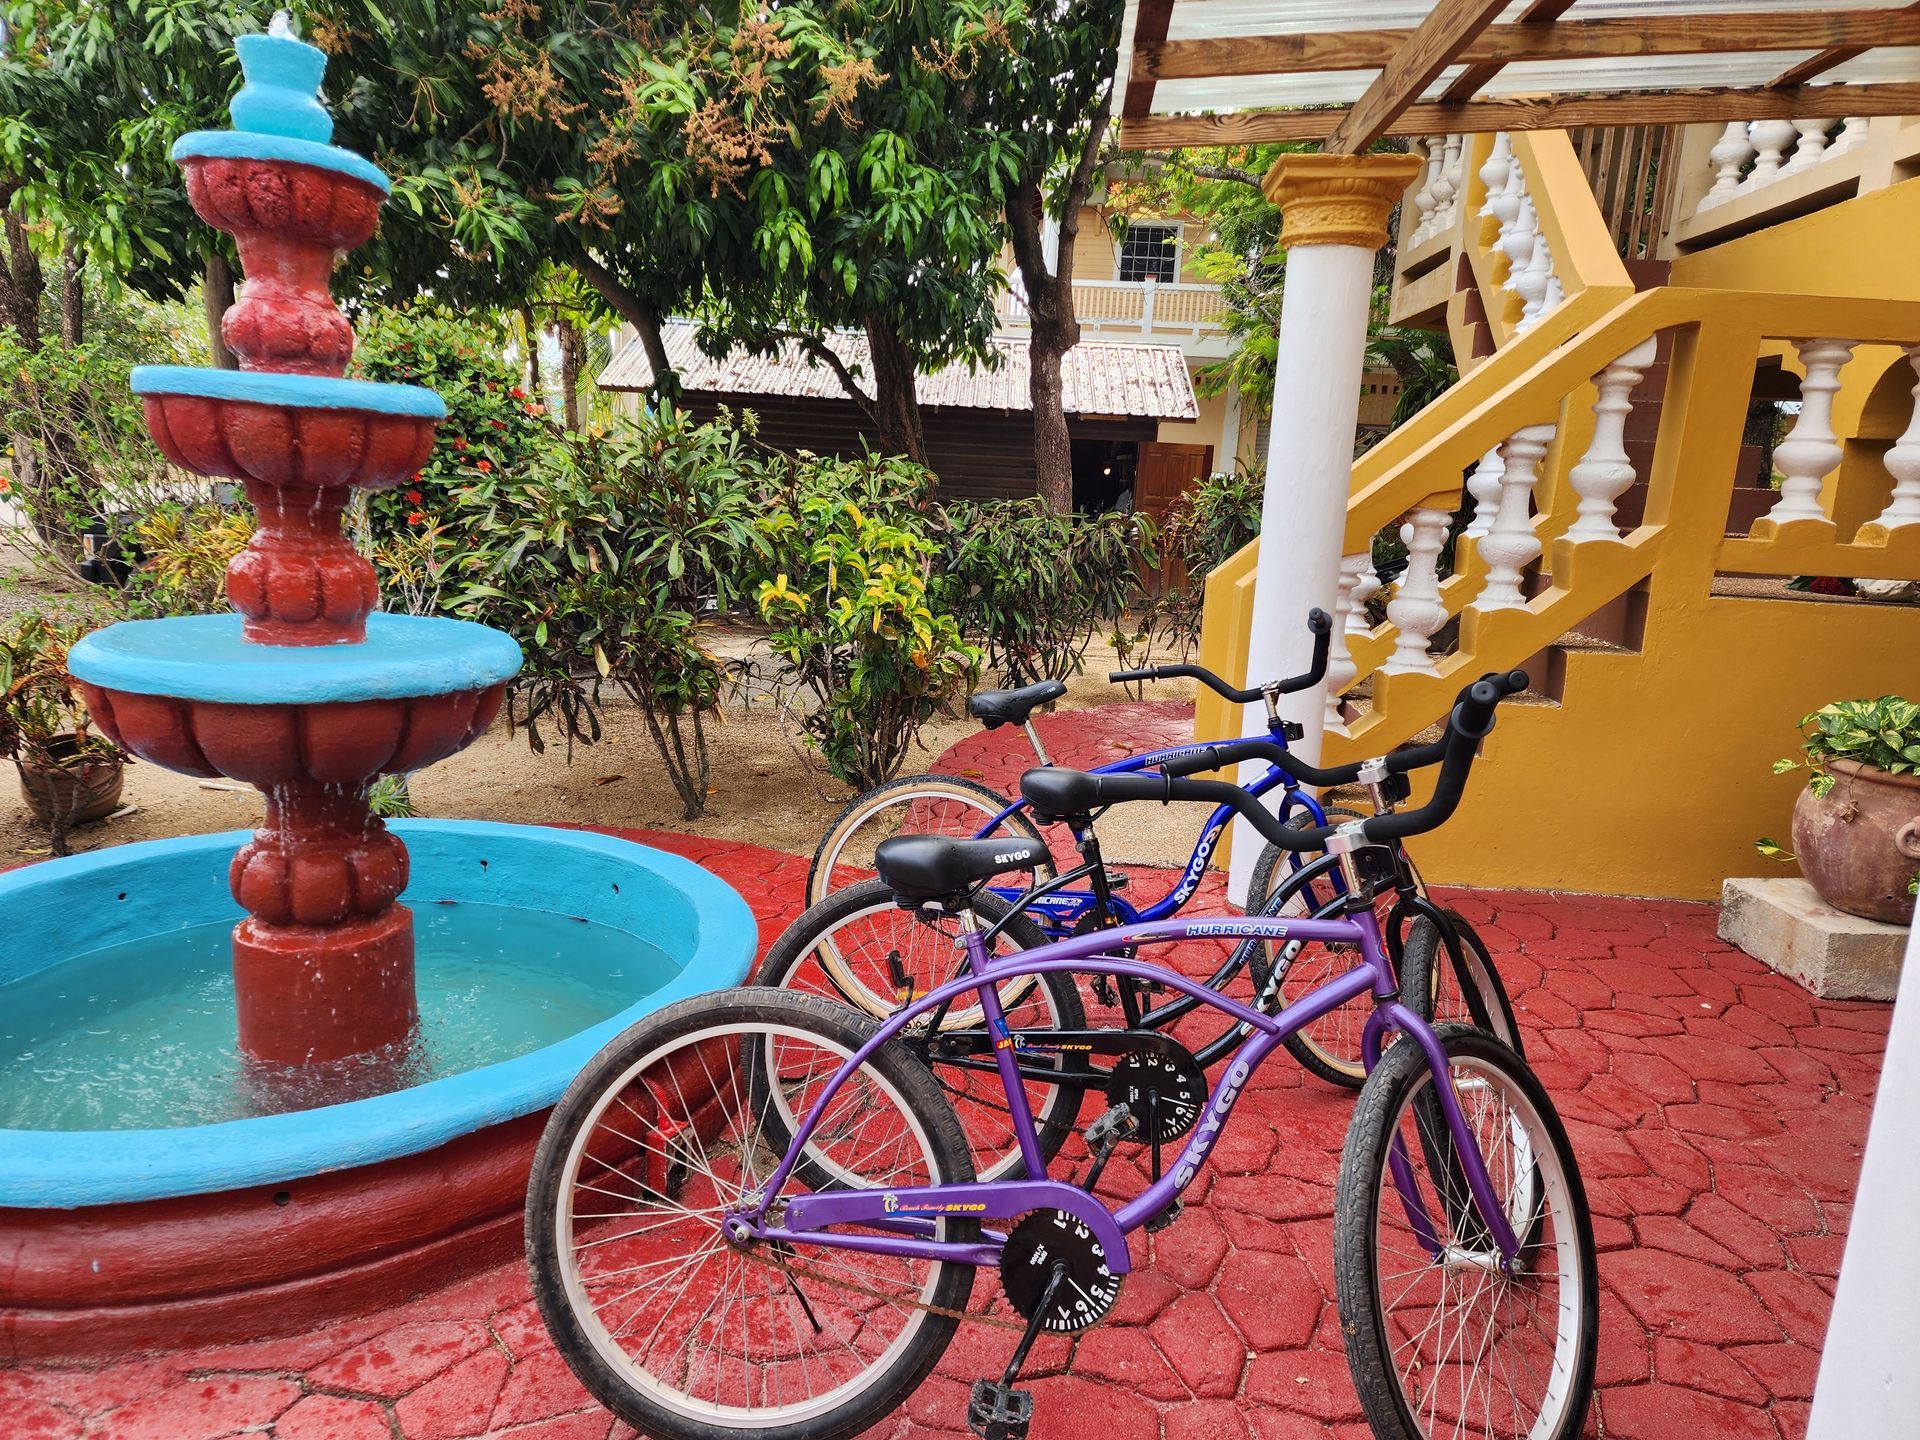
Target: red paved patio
1718, 1112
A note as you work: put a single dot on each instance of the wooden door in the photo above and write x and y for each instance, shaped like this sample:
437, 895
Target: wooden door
1163, 474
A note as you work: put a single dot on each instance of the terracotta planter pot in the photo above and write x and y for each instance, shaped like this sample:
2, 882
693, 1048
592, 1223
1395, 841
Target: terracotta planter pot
1859, 845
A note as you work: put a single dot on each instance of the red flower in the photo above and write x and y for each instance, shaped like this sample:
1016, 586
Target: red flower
483, 466
498, 424
413, 497
517, 393
416, 518
460, 442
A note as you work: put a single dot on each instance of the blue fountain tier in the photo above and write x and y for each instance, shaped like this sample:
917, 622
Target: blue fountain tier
297, 392
204, 658
114, 1023
288, 149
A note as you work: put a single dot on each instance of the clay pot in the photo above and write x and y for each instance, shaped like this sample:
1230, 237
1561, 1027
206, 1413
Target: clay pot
69, 790
1859, 845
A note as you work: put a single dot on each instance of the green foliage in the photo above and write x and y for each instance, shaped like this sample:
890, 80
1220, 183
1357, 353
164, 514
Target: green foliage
185, 550
869, 654
74, 432
1032, 587
1883, 733
1209, 522
600, 560
1422, 359
39, 699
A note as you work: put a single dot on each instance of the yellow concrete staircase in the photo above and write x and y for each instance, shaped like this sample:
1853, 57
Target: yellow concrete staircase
1672, 661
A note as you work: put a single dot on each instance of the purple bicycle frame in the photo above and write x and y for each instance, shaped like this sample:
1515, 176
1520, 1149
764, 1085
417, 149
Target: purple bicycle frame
909, 1216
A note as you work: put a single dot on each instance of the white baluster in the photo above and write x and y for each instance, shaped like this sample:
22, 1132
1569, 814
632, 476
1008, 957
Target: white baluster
1341, 668
1729, 154
1493, 173
1424, 199
1446, 189
1853, 134
1511, 544
1484, 486
1555, 291
1771, 138
1810, 451
1505, 205
1365, 590
1813, 143
1518, 240
1416, 610
1604, 472
1533, 283
1903, 463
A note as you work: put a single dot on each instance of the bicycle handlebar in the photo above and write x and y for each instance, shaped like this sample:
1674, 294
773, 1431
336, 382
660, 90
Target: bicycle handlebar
1318, 621
1052, 790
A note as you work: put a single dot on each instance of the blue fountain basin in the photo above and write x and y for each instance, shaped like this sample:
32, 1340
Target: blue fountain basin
110, 983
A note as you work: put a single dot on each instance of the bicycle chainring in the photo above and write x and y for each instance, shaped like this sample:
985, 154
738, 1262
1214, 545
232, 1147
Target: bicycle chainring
1041, 1240
1173, 1076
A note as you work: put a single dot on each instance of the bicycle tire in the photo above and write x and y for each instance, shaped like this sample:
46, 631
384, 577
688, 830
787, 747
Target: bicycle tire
1424, 967
1057, 1114
1400, 1083
843, 1030
903, 790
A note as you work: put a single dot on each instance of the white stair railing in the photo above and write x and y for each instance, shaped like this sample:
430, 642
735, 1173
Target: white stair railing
1811, 450
1416, 610
1604, 472
1512, 544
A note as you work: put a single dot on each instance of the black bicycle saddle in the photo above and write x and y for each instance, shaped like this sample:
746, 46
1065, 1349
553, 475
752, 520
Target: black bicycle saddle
994, 708
933, 867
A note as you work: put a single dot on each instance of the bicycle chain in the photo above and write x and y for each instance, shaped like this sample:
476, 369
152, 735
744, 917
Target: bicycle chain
840, 1283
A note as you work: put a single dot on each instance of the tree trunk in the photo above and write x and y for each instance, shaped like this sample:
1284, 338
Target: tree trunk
637, 312
73, 297
216, 291
21, 282
573, 346
530, 328
896, 408
1052, 447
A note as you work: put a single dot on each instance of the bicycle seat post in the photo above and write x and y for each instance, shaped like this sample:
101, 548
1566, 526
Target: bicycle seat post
1033, 736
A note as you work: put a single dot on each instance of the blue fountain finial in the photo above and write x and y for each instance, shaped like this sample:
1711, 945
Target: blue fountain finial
282, 80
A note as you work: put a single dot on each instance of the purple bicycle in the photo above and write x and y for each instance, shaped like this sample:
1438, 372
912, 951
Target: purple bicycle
753, 1214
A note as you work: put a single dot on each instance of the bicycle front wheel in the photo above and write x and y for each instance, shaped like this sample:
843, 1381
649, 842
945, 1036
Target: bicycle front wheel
910, 805
685, 1331
1440, 1339
1442, 984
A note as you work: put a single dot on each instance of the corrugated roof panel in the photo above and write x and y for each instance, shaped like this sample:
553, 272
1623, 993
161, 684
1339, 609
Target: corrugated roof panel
1096, 377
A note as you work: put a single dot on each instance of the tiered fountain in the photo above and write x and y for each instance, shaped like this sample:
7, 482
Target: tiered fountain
170, 1109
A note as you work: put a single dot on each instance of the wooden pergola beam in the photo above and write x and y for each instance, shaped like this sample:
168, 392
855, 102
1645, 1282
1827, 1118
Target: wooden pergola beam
1538, 18
1551, 112
1150, 23
1432, 46
1613, 38
1840, 52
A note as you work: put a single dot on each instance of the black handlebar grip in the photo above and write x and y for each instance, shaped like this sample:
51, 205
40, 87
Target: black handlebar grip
1128, 677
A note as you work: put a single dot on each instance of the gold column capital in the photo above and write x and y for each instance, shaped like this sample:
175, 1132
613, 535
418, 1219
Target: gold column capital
1338, 199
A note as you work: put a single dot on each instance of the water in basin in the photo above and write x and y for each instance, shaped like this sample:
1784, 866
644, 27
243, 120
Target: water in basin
141, 1035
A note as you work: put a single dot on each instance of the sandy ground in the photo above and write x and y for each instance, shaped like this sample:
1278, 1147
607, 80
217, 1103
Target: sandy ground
762, 791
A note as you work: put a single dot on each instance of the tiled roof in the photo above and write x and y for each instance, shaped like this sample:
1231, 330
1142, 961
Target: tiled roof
1096, 377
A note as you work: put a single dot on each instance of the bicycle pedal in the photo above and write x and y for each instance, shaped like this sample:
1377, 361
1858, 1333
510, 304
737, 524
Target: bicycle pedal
1116, 879
999, 1412
1111, 1128
1103, 990
1165, 1218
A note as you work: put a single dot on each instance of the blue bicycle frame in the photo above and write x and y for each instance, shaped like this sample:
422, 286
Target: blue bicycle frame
1058, 913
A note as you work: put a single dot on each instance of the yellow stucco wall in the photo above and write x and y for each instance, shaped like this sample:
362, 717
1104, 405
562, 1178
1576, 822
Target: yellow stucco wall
1209, 429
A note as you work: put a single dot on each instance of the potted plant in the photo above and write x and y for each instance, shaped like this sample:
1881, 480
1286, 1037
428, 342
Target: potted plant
1856, 826
68, 775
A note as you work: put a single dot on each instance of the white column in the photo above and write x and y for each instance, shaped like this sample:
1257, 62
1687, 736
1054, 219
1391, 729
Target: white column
1811, 450
1334, 209
1604, 472
1869, 1385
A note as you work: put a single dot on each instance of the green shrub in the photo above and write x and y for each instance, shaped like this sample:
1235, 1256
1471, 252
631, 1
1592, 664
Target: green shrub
600, 560
1216, 517
872, 654
1031, 587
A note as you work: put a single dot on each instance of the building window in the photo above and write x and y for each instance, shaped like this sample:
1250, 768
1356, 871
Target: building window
1150, 252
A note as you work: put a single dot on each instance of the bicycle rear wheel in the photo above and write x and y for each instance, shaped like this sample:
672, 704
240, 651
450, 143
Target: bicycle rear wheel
685, 1332
852, 945
909, 805
1440, 1339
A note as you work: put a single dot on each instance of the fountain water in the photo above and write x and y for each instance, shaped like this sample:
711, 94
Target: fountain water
353, 1147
